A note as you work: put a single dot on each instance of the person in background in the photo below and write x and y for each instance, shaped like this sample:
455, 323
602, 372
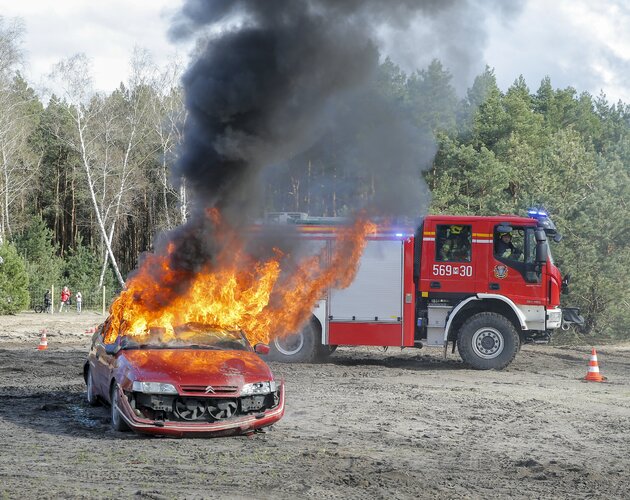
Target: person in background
47, 302
79, 299
65, 297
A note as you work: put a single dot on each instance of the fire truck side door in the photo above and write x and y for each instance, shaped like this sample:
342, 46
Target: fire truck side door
451, 262
513, 271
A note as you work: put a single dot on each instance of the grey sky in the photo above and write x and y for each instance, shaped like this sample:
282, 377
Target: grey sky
580, 43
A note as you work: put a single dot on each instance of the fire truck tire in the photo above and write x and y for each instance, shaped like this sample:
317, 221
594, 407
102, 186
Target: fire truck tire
302, 347
488, 341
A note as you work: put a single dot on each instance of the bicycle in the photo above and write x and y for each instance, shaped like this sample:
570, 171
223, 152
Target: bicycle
40, 308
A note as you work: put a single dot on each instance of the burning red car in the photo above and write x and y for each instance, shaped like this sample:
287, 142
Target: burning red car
190, 380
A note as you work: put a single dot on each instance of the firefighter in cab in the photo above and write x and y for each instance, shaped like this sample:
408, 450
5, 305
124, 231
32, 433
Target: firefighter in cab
506, 249
456, 247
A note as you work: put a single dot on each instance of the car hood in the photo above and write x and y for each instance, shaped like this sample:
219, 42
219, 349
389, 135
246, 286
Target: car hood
194, 367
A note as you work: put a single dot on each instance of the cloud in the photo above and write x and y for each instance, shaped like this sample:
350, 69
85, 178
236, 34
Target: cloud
576, 43
458, 36
105, 31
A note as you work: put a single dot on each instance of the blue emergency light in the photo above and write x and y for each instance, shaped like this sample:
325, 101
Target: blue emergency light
545, 222
538, 213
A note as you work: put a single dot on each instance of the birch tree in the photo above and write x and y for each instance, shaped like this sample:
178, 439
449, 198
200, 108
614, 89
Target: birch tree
18, 114
128, 145
85, 107
167, 119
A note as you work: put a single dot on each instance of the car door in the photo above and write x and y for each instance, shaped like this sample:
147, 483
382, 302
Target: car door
101, 362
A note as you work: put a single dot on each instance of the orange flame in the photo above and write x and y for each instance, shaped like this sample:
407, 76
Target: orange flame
235, 291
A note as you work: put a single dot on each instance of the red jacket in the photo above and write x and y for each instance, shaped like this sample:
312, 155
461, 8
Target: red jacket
65, 295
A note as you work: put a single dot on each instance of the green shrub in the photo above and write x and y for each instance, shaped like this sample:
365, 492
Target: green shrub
14, 295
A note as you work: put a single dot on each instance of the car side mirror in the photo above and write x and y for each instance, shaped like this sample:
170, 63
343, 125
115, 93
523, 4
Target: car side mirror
112, 349
261, 349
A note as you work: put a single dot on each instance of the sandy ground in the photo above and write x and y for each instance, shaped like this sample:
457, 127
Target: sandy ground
368, 424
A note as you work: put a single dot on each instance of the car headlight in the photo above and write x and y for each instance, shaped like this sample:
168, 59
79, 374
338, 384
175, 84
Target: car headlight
154, 388
259, 388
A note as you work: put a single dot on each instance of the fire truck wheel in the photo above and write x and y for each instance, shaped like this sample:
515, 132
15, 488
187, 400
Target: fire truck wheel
303, 347
488, 341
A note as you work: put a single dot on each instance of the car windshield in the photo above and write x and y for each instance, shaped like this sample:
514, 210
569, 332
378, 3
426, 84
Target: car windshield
188, 336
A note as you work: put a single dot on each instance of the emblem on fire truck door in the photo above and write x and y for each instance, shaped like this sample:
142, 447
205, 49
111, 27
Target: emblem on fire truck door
500, 272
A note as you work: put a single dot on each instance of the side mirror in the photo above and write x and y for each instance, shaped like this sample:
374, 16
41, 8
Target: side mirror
112, 349
261, 349
542, 252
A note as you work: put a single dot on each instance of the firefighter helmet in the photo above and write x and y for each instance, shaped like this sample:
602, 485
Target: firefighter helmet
456, 229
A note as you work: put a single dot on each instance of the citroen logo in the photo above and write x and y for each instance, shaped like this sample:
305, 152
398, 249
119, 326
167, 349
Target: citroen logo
209, 390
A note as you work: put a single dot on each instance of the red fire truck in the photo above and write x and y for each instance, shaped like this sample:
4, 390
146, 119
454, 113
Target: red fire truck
483, 284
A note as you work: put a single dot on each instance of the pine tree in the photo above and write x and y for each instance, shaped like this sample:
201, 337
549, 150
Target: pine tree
14, 296
81, 272
37, 249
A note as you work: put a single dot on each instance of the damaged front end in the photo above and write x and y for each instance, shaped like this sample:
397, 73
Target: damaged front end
202, 410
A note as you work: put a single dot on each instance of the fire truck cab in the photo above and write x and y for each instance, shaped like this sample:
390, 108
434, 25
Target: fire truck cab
483, 284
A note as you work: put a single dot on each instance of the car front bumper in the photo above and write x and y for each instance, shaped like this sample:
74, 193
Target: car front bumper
244, 424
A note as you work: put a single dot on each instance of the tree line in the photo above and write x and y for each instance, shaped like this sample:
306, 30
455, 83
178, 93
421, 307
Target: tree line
500, 153
85, 180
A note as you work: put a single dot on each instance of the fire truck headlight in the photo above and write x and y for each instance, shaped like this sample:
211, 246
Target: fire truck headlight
154, 388
554, 318
259, 388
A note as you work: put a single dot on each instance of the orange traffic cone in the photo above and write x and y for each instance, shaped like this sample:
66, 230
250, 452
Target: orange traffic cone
43, 343
593, 374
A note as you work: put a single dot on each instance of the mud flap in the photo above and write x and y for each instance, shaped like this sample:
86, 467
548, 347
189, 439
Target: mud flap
571, 316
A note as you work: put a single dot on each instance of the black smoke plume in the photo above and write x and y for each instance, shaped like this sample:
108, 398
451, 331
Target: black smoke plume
269, 79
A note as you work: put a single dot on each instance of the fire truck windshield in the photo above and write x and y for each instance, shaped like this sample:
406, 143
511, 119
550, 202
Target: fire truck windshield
530, 247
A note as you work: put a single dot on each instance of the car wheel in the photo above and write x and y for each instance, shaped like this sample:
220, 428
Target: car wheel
301, 347
92, 398
118, 423
488, 341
